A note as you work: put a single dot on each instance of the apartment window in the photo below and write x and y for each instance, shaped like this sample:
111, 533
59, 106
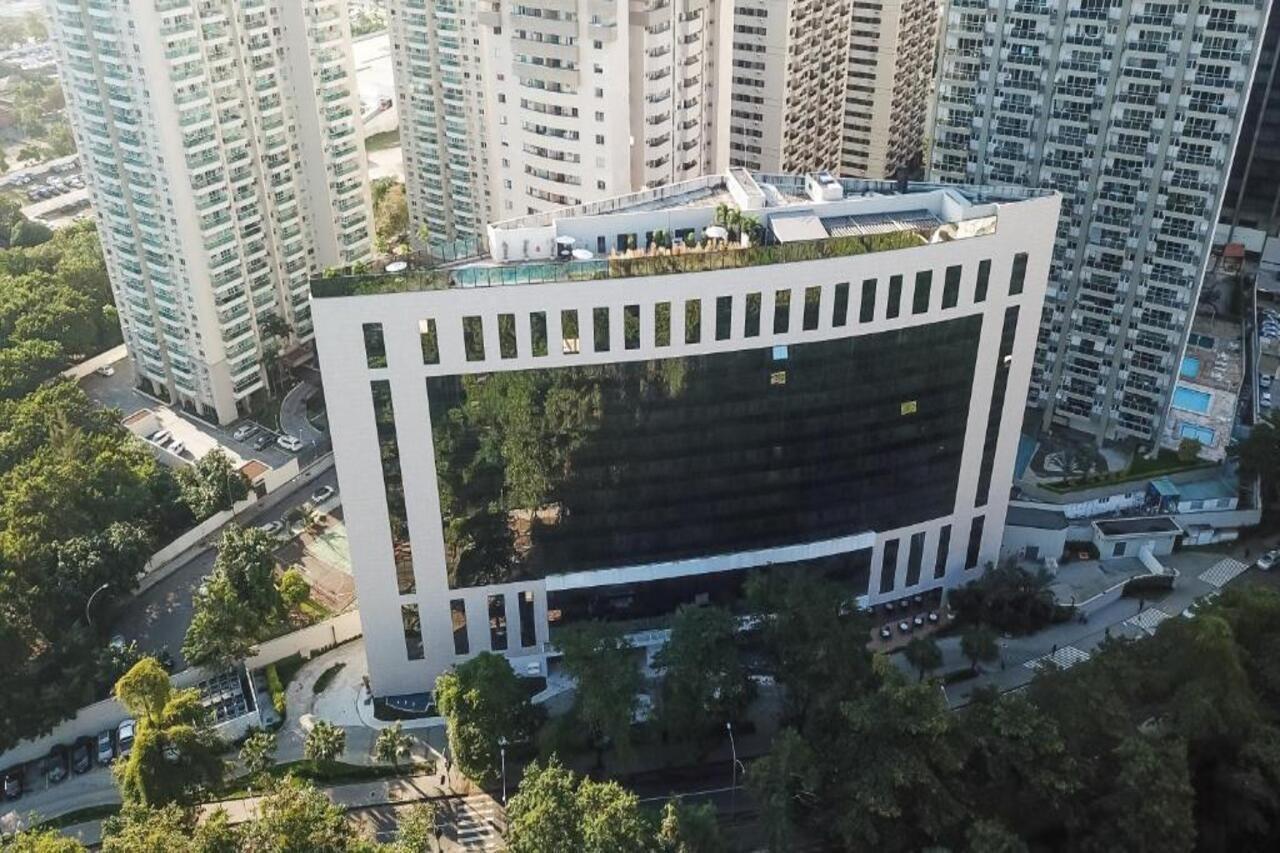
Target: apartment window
412, 624
384, 420
1018, 277
840, 305
662, 324
430, 343
895, 296
995, 410
473, 338
751, 324
924, 287
538, 332
724, 317
888, 566
458, 617
975, 543
375, 346
812, 303
951, 287
984, 278
692, 321
944, 546
599, 139
600, 329
569, 331
498, 623
915, 557
631, 326
507, 335
781, 312
528, 627
600, 185
867, 310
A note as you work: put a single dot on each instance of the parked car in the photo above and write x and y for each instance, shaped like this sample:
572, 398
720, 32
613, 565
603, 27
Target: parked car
918, 621
262, 441
177, 448
1269, 559
1265, 380
290, 443
124, 738
1266, 399
13, 783
271, 528
57, 764
105, 370
244, 431
82, 755
323, 494
162, 437
106, 747
904, 627
886, 633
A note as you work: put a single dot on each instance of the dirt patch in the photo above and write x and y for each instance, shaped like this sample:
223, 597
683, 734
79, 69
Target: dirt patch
320, 554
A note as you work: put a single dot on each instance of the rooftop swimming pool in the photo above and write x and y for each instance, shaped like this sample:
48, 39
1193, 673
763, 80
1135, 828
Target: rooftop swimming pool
1190, 367
1191, 400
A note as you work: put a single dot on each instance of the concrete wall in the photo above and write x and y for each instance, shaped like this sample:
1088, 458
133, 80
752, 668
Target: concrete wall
1050, 543
339, 629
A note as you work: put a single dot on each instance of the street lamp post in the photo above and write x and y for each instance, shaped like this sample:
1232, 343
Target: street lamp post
502, 749
733, 785
88, 617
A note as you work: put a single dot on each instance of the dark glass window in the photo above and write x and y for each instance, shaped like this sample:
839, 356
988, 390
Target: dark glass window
984, 278
895, 297
915, 557
684, 457
384, 418
375, 346
528, 627
600, 329
812, 304
994, 412
1018, 277
840, 305
724, 317
507, 335
430, 342
662, 324
473, 338
751, 325
458, 616
692, 321
631, 326
951, 287
538, 332
867, 310
924, 288
412, 623
975, 543
781, 312
571, 341
498, 623
888, 566
944, 546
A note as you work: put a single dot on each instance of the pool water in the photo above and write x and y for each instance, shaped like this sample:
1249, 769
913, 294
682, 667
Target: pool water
1191, 400
1190, 367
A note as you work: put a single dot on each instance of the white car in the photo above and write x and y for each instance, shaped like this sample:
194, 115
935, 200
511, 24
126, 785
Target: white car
1266, 399
105, 370
322, 494
244, 431
1265, 380
271, 528
162, 437
289, 443
177, 447
1269, 559
124, 739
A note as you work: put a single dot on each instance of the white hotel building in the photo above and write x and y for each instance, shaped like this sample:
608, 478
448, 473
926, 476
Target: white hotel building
222, 146
540, 436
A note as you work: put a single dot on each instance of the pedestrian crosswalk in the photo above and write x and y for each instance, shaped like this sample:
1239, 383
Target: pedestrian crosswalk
478, 822
1222, 571
1148, 619
1065, 658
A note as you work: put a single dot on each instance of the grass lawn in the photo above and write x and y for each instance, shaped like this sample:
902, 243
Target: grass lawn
314, 610
383, 141
79, 816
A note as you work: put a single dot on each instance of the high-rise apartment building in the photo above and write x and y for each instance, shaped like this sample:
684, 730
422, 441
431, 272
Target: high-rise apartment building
1253, 190
532, 439
222, 147
1130, 109
510, 108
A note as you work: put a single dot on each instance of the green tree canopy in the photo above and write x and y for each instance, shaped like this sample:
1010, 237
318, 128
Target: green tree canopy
483, 702
705, 683
604, 665
556, 810
212, 485
237, 601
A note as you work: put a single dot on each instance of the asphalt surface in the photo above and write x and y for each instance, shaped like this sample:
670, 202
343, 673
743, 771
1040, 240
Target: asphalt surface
158, 618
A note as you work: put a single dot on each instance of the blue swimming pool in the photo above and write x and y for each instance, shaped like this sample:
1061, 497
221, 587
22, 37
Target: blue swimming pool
1191, 400
1190, 367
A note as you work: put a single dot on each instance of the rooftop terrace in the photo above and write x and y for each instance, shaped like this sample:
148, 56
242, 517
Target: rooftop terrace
728, 221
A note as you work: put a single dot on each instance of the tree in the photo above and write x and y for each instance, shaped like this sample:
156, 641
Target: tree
1259, 454
236, 602
1007, 597
325, 743
978, 644
212, 485
43, 841
391, 216
145, 690
601, 660
555, 810
172, 828
704, 682
1151, 803
296, 818
392, 744
690, 828
483, 702
783, 785
1188, 450
258, 753
418, 828
989, 836
28, 233
294, 589
923, 654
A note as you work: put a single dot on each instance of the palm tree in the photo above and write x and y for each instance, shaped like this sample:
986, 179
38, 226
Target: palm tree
324, 744
923, 653
392, 744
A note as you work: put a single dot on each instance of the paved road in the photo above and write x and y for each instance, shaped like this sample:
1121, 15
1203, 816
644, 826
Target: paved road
293, 413
159, 617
